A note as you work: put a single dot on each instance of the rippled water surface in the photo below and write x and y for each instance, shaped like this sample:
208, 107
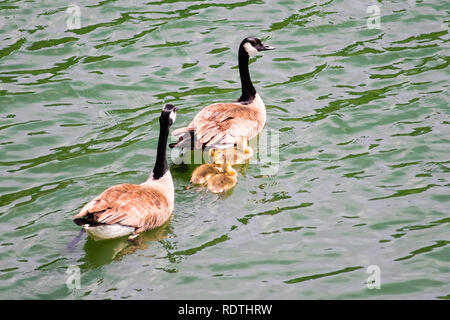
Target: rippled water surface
363, 122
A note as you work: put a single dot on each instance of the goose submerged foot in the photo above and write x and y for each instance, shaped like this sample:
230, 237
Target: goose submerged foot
133, 237
242, 146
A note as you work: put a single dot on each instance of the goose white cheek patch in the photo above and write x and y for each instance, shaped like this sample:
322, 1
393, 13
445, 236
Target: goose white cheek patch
172, 116
250, 49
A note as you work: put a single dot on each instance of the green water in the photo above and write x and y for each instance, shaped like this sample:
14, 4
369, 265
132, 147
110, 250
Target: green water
363, 122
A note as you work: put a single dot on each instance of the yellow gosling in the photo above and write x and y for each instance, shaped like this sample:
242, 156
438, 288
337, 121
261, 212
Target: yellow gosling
203, 173
223, 181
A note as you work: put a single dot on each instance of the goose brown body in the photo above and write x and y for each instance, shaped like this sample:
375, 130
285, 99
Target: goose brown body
222, 125
143, 207
126, 209
226, 123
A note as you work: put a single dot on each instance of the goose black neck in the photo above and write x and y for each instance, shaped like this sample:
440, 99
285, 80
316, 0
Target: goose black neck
248, 90
161, 166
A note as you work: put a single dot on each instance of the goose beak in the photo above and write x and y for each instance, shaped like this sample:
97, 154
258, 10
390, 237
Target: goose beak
267, 48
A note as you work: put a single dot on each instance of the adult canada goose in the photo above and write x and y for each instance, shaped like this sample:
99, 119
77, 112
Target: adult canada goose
129, 209
223, 125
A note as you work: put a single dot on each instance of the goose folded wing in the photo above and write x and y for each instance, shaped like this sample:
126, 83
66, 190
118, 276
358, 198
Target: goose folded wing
225, 123
129, 205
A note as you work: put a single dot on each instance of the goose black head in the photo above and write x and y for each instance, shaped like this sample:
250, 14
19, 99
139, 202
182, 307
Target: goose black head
254, 45
168, 114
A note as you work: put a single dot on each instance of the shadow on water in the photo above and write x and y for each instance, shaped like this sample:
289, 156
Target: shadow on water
99, 253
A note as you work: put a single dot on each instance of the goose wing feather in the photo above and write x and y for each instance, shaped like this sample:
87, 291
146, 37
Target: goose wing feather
131, 205
225, 122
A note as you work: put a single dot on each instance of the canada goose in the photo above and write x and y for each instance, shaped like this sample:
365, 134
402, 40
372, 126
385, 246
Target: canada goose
230, 155
129, 209
223, 125
203, 173
219, 175
223, 181
218, 178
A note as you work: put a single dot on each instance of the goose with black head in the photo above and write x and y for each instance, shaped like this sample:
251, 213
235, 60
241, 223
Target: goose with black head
129, 209
224, 125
